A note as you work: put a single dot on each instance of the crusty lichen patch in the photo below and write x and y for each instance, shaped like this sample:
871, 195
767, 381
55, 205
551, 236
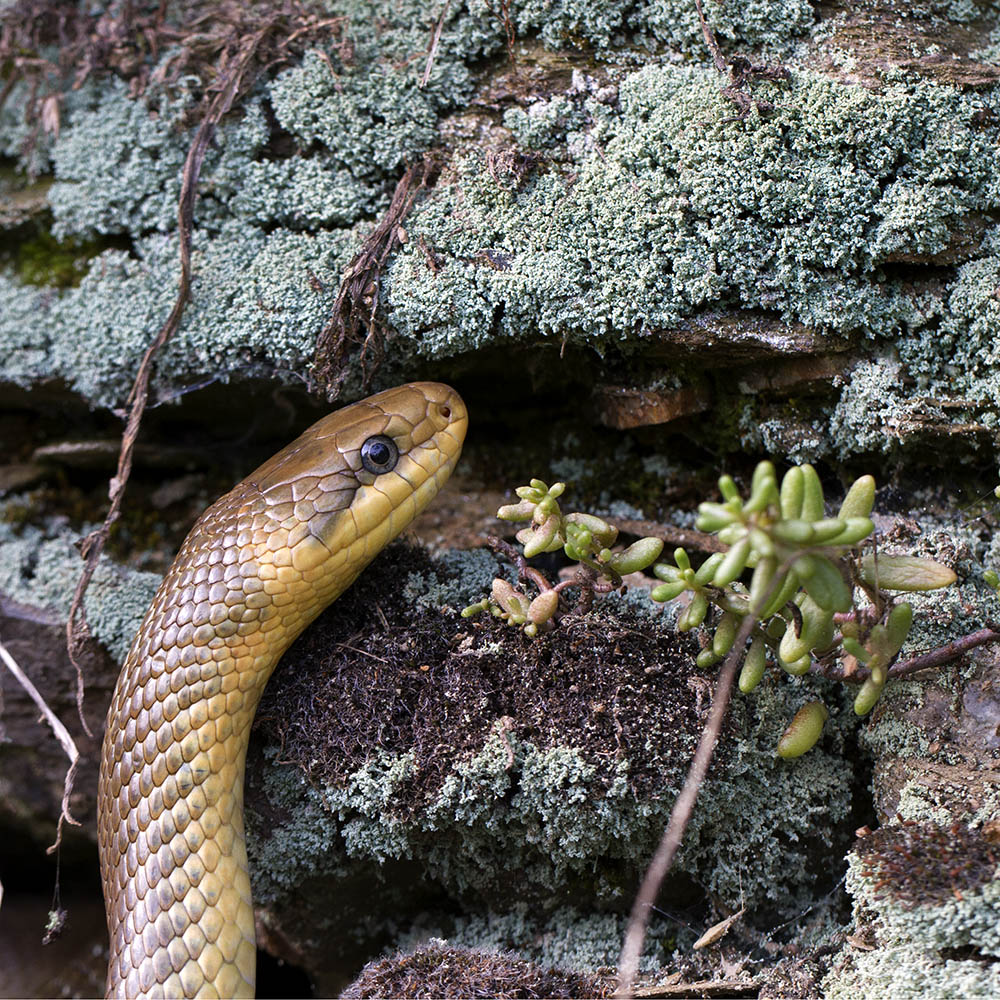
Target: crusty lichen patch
466, 750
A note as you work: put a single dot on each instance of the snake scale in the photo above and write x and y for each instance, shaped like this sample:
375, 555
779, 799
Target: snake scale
258, 566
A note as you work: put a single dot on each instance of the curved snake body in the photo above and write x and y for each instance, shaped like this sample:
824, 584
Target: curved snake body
258, 566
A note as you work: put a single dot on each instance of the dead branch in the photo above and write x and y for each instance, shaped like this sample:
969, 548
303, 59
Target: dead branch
61, 734
925, 661
680, 815
742, 73
354, 321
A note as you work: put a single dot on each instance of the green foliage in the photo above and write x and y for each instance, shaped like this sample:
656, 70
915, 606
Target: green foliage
584, 538
799, 606
806, 570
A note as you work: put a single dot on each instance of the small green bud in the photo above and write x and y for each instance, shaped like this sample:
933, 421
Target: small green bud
990, 577
792, 494
792, 647
827, 529
907, 573
733, 563
855, 530
852, 646
728, 489
860, 499
668, 591
600, 529
897, 626
516, 511
707, 569
753, 666
725, 634
865, 700
474, 609
694, 614
763, 489
803, 731
798, 667
793, 531
681, 559
637, 556
812, 495
713, 517
706, 658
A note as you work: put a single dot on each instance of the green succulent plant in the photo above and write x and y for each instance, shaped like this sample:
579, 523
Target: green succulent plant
814, 586
584, 538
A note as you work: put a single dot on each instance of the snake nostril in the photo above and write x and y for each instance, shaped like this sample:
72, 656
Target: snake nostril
445, 411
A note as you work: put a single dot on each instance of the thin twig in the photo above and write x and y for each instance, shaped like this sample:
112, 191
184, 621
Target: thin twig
231, 79
925, 661
354, 317
432, 50
61, 734
680, 814
635, 935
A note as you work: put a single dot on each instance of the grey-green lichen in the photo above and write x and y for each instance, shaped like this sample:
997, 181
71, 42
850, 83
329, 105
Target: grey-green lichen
947, 948
673, 212
566, 938
913, 973
40, 569
655, 208
563, 820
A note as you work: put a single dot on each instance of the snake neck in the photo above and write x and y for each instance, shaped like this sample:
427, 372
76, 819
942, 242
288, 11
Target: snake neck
170, 830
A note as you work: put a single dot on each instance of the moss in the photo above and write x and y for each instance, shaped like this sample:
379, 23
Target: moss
43, 260
468, 751
440, 970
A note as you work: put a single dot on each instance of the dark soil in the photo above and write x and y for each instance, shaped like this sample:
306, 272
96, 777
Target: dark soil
374, 673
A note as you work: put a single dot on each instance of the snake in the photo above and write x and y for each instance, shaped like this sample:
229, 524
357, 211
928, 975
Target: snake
257, 567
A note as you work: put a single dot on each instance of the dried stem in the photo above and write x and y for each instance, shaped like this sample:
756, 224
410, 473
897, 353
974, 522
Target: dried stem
61, 734
355, 311
243, 58
680, 815
925, 661
435, 39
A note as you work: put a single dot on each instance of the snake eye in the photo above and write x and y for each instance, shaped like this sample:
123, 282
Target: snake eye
379, 454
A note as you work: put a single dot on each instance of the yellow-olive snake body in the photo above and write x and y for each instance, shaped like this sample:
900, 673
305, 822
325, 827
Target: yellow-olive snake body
258, 566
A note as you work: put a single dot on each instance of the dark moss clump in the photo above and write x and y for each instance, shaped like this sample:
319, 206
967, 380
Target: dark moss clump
439, 971
377, 673
920, 864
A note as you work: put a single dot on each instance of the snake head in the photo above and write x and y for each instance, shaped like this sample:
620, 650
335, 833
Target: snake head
358, 477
